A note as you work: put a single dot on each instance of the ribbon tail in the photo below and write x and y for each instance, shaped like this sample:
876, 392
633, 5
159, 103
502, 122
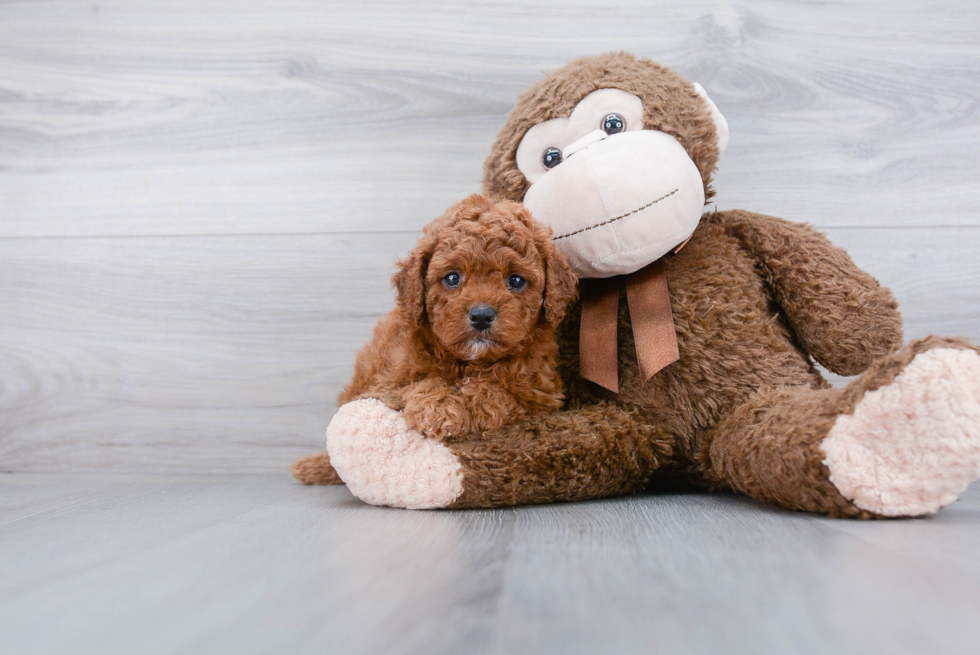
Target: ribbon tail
598, 355
652, 318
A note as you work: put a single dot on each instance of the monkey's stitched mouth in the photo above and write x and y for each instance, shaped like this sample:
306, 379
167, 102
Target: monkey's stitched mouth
613, 220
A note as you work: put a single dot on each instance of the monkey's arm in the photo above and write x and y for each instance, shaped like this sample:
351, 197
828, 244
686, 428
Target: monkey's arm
597, 451
841, 315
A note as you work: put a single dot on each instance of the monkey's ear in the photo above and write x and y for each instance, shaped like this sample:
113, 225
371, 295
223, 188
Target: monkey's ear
560, 284
409, 279
721, 125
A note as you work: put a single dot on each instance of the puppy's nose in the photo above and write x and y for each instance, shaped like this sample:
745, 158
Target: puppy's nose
481, 316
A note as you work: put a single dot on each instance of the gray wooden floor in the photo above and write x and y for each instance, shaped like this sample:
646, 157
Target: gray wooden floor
258, 564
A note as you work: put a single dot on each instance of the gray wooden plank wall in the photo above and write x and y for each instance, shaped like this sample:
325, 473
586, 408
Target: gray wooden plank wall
201, 202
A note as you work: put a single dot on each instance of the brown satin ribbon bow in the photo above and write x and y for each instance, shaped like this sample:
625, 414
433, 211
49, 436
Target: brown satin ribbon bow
650, 313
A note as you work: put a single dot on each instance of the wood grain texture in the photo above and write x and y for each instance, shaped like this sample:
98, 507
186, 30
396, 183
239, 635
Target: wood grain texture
266, 117
261, 564
225, 354
201, 202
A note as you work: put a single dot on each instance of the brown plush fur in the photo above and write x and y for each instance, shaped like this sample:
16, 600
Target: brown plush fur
425, 357
755, 300
606, 450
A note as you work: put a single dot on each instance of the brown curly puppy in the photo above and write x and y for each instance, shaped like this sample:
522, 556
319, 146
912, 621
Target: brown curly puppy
470, 345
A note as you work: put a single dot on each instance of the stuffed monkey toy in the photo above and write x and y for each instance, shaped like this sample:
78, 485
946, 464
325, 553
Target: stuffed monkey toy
691, 349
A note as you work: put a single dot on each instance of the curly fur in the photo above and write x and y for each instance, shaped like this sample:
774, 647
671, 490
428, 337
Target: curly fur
426, 359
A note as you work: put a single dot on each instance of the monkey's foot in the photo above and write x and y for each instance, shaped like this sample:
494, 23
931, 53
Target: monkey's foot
384, 462
912, 446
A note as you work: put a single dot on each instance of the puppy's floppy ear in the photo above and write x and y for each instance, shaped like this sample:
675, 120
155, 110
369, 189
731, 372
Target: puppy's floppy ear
409, 279
560, 285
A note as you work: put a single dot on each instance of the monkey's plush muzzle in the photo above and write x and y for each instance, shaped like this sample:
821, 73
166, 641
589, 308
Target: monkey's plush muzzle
617, 203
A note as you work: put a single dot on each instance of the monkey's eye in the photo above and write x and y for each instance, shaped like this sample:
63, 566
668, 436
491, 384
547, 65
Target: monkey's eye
451, 280
516, 283
613, 124
551, 158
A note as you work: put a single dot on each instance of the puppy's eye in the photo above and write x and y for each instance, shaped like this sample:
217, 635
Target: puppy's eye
516, 283
551, 157
613, 124
451, 280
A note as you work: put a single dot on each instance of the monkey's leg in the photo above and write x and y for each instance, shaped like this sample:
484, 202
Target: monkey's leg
901, 440
587, 453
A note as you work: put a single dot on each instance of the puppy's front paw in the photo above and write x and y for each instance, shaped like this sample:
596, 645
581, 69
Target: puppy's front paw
438, 418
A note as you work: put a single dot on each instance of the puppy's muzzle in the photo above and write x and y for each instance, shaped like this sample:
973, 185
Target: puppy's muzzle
482, 317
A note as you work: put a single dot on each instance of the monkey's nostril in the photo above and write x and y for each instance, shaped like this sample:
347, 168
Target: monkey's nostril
481, 316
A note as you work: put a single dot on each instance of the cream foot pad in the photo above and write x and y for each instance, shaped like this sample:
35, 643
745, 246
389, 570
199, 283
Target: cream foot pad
913, 446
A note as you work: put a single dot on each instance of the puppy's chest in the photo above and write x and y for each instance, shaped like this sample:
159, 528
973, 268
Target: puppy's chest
474, 380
